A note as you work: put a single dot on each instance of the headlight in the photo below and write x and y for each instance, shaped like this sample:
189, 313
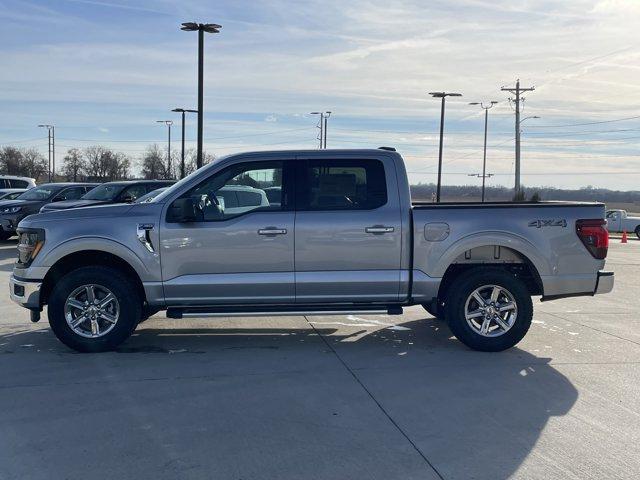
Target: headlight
30, 242
11, 209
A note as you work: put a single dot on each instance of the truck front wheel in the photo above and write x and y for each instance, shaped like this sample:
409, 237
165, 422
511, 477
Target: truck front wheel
638, 232
489, 309
94, 308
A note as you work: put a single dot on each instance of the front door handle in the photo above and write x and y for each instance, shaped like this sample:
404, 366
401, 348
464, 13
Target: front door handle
378, 229
272, 231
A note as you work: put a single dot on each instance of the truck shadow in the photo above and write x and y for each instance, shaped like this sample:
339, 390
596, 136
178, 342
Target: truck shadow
473, 415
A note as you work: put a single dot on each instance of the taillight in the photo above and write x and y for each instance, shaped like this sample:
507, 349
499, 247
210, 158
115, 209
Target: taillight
595, 237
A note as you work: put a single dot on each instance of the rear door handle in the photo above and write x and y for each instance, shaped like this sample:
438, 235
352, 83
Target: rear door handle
272, 231
379, 229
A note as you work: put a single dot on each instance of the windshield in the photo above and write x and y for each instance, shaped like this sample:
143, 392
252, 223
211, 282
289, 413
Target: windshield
38, 193
106, 191
151, 195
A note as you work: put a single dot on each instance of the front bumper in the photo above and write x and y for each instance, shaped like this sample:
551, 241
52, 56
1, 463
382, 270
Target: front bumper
25, 293
9, 222
604, 283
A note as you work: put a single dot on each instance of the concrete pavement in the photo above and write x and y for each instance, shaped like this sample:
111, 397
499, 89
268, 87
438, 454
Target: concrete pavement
352, 397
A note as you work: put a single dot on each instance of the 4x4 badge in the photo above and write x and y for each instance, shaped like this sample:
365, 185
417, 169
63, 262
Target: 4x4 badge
559, 222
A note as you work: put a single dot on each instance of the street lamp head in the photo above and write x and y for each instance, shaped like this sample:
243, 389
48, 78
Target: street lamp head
206, 27
211, 27
444, 94
315, 113
178, 110
493, 102
189, 26
474, 103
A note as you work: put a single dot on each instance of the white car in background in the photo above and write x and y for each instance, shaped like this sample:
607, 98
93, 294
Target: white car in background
11, 181
619, 221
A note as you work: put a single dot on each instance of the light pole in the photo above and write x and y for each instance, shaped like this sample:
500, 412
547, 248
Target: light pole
517, 182
441, 95
484, 156
168, 123
200, 28
52, 149
183, 111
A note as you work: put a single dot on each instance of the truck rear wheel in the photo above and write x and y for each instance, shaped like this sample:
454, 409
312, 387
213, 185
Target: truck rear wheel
489, 309
638, 232
5, 235
94, 309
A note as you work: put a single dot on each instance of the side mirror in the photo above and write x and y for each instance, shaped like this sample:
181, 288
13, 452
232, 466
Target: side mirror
57, 199
183, 211
128, 199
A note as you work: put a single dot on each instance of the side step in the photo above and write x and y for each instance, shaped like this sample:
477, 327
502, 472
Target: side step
280, 310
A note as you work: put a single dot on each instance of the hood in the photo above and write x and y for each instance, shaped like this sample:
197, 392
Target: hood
102, 211
72, 204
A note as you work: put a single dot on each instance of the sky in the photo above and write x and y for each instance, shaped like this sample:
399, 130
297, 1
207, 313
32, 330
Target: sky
103, 72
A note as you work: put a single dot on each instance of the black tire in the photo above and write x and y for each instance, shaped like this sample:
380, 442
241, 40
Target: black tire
5, 235
436, 311
638, 232
465, 285
147, 312
125, 292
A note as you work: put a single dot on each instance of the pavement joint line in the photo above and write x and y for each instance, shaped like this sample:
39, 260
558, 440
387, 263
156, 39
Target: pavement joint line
382, 409
592, 328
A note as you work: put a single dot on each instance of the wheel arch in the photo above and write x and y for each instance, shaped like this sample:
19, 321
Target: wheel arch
493, 256
86, 258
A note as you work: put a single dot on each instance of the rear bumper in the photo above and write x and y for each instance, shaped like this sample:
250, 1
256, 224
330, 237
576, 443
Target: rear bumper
25, 293
604, 284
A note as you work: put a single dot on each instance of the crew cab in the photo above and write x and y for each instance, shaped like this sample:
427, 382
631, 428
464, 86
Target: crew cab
621, 221
337, 233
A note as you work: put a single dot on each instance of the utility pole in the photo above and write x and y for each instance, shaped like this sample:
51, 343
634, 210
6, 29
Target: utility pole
183, 111
51, 149
516, 91
168, 123
441, 95
484, 156
322, 125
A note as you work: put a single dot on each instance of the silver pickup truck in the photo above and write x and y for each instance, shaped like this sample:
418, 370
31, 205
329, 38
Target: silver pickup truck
305, 232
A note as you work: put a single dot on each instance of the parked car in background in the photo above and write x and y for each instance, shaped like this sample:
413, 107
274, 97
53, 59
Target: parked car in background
345, 237
111, 192
11, 193
11, 181
151, 195
619, 221
31, 201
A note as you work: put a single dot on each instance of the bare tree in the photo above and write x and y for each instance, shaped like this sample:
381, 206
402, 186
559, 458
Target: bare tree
103, 164
154, 164
34, 164
10, 161
191, 157
74, 165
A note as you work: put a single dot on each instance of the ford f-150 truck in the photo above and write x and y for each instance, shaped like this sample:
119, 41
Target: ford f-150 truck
336, 234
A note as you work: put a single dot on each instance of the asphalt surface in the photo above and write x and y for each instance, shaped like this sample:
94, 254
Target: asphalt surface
353, 397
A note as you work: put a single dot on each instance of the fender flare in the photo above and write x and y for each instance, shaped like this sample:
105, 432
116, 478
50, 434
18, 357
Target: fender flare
503, 239
101, 244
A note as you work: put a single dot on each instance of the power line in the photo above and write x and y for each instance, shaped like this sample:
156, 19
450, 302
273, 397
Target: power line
587, 123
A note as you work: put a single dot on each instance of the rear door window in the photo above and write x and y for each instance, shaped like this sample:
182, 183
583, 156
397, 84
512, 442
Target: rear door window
343, 185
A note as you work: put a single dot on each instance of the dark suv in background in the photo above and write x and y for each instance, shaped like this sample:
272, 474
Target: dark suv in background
31, 201
111, 192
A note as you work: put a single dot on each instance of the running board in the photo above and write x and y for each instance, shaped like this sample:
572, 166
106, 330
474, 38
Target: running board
279, 310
